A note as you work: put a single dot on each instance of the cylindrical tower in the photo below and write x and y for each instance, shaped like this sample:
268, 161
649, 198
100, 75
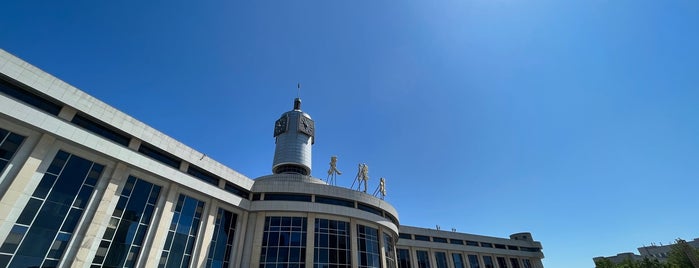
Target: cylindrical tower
294, 132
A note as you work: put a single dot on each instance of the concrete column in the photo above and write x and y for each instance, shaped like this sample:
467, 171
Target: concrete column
240, 231
158, 213
256, 239
23, 185
382, 249
67, 113
353, 243
134, 143
106, 195
165, 215
208, 224
310, 239
184, 165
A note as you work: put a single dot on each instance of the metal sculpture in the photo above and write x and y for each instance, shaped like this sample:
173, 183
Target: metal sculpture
333, 171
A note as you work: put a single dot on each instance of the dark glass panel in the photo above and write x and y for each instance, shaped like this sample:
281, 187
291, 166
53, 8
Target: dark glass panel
458, 260
203, 175
473, 261
10, 145
101, 129
441, 259
29, 211
334, 201
71, 220
29, 98
83, 196
369, 208
405, 236
44, 186
159, 155
422, 238
70, 181
502, 263
58, 162
514, 262
472, 243
439, 239
59, 245
488, 262
288, 197
13, 239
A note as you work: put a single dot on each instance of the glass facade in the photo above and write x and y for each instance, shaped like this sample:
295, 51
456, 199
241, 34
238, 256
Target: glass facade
46, 224
284, 242
128, 226
502, 263
368, 244
182, 236
222, 242
458, 260
9, 143
488, 262
514, 262
332, 244
389, 250
527, 263
404, 258
441, 259
423, 259
473, 261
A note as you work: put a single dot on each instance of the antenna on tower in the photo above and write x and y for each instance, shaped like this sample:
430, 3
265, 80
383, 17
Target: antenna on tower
298, 90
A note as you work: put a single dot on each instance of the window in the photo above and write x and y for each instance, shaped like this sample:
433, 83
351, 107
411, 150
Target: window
473, 261
46, 224
122, 241
334, 201
527, 263
404, 258
101, 130
368, 247
332, 244
458, 260
182, 236
488, 262
29, 98
456, 241
239, 191
369, 209
486, 245
288, 197
423, 259
203, 175
441, 259
514, 262
389, 250
9, 143
500, 246
221, 246
159, 155
284, 242
512, 247
422, 238
439, 239
502, 263
472, 243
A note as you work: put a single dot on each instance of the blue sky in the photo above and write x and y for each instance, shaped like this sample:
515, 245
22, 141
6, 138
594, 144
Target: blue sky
574, 120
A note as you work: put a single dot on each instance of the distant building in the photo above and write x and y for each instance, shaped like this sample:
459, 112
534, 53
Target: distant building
652, 252
85, 185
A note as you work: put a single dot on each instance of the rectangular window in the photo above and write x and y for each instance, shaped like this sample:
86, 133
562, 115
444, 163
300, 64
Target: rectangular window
422, 238
458, 260
439, 239
288, 197
488, 262
472, 243
405, 236
9, 144
486, 245
514, 262
221, 246
46, 225
283, 242
441, 259
183, 232
29, 98
239, 191
527, 263
100, 129
423, 259
502, 263
203, 175
389, 250
334, 201
160, 156
128, 225
404, 258
456, 241
369, 209
500, 246
332, 244
473, 261
512, 247
368, 247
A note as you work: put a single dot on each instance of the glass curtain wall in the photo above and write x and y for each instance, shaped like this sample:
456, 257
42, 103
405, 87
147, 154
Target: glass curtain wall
46, 224
441, 259
423, 259
284, 242
332, 244
473, 261
389, 250
458, 260
182, 236
122, 241
404, 258
368, 243
9, 143
222, 243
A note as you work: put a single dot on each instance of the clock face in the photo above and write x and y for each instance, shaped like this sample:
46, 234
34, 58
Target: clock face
281, 125
307, 126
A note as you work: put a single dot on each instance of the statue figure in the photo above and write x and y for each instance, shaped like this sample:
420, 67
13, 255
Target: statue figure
362, 176
333, 171
381, 189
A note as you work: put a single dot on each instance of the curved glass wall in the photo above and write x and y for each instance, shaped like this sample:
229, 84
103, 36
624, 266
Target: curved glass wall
222, 243
332, 244
368, 247
123, 239
284, 242
46, 224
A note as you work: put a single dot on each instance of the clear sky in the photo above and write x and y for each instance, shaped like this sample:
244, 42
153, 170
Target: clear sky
577, 121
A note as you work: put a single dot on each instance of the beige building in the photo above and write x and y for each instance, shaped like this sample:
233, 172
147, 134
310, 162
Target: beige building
85, 185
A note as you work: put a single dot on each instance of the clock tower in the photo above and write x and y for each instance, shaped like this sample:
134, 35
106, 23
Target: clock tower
294, 133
